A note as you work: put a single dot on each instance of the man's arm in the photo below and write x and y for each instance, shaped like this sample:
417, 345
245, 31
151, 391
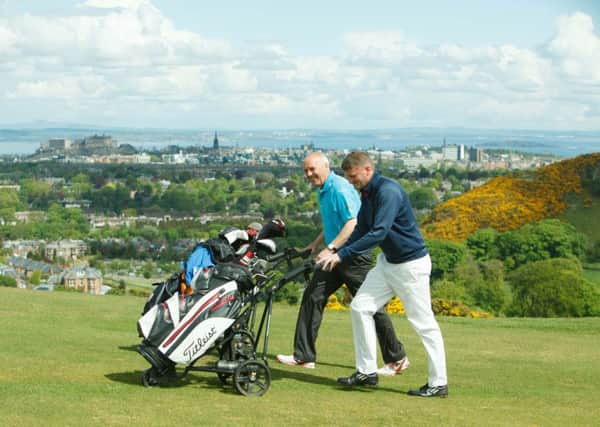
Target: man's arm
344, 233
342, 236
319, 240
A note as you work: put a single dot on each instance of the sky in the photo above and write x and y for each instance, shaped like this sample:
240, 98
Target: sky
328, 64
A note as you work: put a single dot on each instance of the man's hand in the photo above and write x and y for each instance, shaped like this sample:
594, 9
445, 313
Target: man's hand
323, 252
328, 260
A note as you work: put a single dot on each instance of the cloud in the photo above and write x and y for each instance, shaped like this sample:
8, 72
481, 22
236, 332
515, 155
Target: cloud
120, 34
125, 60
576, 48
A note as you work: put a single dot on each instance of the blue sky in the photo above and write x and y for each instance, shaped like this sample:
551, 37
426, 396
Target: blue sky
310, 64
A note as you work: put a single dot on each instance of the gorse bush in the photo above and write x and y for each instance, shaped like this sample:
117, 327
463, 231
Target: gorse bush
507, 202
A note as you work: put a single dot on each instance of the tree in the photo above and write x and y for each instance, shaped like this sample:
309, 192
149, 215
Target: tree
148, 269
9, 203
482, 244
549, 238
36, 277
552, 288
445, 256
36, 193
423, 198
492, 293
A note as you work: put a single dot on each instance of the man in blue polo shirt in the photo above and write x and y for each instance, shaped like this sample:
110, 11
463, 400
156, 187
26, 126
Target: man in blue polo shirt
403, 267
339, 204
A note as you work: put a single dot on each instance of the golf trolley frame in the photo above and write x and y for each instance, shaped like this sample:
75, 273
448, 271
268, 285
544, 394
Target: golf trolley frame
239, 359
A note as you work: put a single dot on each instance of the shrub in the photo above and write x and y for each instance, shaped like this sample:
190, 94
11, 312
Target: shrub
334, 304
7, 281
444, 307
448, 289
445, 256
290, 293
482, 244
492, 293
552, 288
395, 306
139, 292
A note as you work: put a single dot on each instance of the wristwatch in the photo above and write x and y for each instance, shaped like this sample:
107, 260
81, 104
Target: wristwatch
332, 247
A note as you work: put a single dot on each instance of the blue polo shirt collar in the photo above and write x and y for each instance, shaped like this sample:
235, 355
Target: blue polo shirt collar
327, 184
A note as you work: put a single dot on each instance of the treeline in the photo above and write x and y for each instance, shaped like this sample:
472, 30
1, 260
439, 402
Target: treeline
534, 270
493, 248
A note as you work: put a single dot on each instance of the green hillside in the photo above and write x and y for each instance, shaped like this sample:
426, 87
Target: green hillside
583, 212
69, 359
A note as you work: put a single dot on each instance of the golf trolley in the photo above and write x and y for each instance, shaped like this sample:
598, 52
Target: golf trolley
183, 328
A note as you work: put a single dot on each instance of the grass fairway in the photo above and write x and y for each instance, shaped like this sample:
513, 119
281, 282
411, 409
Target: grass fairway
69, 360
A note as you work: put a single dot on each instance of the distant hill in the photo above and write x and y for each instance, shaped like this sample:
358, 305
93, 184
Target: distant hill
507, 202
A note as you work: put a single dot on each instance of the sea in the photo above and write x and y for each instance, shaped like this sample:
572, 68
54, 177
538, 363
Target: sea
563, 144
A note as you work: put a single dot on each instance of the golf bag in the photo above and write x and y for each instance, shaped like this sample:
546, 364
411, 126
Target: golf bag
192, 309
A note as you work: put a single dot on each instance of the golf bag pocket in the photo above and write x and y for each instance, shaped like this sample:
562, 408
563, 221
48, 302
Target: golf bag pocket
231, 271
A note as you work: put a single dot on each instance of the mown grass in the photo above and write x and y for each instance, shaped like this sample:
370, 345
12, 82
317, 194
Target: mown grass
69, 360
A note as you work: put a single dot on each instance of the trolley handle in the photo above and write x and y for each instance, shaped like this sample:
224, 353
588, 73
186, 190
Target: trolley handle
288, 254
304, 269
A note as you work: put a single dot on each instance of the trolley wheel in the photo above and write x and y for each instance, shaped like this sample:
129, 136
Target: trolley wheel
149, 378
252, 378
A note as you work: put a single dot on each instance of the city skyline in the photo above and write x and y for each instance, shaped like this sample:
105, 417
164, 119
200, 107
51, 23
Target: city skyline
266, 65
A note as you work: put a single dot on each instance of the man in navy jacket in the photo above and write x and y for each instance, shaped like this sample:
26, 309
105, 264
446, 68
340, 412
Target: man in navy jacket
386, 219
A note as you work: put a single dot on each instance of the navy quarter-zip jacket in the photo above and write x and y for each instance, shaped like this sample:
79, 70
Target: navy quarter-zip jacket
385, 219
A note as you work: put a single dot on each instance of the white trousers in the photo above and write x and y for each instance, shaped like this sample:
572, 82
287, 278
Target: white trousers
410, 281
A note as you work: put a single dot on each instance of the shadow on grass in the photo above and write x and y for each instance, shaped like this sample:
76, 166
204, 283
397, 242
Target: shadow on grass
135, 378
202, 380
129, 348
273, 361
301, 374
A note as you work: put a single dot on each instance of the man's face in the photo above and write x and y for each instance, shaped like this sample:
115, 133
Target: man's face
359, 176
316, 170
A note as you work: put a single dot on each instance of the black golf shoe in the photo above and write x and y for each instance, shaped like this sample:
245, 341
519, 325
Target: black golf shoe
427, 391
359, 379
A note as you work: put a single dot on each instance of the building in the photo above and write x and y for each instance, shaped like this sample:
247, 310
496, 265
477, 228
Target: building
95, 142
83, 278
65, 249
414, 163
453, 152
59, 144
25, 266
475, 154
216, 142
8, 271
21, 248
450, 152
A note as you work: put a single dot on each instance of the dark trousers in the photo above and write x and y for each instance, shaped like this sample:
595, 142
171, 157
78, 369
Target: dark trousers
352, 272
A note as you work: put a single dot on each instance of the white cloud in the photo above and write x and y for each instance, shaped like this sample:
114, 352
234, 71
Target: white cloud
380, 47
69, 88
125, 58
576, 48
